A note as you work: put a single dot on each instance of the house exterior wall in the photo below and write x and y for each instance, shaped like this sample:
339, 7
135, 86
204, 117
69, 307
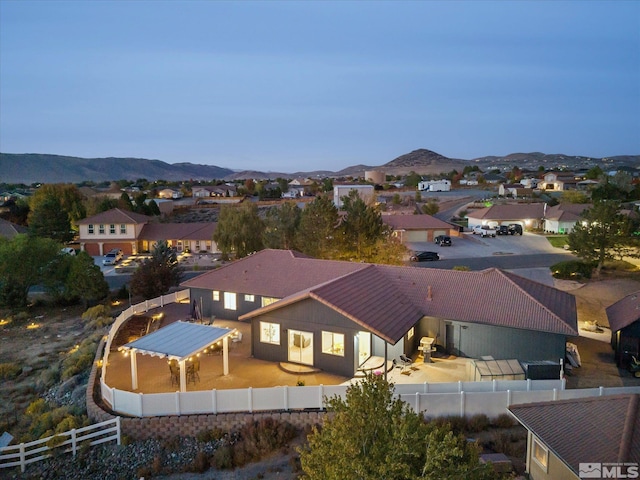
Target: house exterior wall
309, 316
555, 226
216, 308
502, 343
556, 469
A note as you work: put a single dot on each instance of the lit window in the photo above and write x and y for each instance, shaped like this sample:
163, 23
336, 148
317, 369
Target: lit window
197, 245
333, 343
101, 229
540, 454
230, 300
112, 229
123, 229
90, 229
411, 332
216, 296
270, 333
268, 301
249, 298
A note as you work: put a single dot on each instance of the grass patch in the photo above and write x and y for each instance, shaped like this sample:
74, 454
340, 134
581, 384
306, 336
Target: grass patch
558, 241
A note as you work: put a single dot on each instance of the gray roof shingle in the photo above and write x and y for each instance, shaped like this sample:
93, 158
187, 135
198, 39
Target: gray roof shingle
624, 312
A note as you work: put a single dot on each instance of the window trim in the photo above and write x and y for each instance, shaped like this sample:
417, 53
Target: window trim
411, 333
90, 229
112, 229
274, 331
101, 229
123, 229
331, 350
537, 444
230, 301
249, 297
216, 295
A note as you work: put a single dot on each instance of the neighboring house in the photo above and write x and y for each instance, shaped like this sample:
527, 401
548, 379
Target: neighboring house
563, 217
493, 178
418, 228
515, 190
366, 193
10, 230
529, 182
214, 191
170, 193
114, 228
624, 321
592, 437
191, 237
435, 185
529, 215
292, 193
133, 233
334, 315
558, 181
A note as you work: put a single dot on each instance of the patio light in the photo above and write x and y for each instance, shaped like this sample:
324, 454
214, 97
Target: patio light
5, 321
32, 326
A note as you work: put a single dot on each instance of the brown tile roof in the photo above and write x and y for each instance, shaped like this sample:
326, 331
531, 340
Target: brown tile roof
509, 212
117, 216
178, 231
586, 430
567, 212
624, 312
414, 222
372, 294
272, 273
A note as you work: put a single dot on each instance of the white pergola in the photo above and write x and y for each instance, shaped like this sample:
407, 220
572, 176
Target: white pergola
179, 341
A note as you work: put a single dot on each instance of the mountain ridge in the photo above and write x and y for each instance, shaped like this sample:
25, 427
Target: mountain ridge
30, 168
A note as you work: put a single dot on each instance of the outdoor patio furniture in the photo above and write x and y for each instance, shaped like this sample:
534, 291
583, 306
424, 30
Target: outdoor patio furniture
237, 338
193, 370
174, 368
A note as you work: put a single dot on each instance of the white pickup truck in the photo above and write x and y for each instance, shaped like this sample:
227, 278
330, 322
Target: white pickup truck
484, 230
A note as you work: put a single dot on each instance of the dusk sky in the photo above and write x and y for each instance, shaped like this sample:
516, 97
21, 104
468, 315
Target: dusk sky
300, 86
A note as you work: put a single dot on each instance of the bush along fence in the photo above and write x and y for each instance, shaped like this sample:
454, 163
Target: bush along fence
67, 442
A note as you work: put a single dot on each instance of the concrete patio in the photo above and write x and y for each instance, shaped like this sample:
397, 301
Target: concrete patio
245, 371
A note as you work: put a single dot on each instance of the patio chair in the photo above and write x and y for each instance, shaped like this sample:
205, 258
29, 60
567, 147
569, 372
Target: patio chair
192, 371
237, 338
406, 360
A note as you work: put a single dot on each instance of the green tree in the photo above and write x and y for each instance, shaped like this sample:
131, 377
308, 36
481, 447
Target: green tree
85, 280
370, 435
594, 173
281, 225
361, 227
317, 231
327, 185
158, 274
239, 229
412, 180
125, 202
431, 207
70, 198
23, 262
48, 219
601, 234
574, 196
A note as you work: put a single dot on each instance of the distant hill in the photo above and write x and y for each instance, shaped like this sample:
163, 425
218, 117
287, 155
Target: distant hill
33, 168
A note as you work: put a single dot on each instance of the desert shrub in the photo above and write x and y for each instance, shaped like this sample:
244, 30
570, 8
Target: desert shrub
97, 317
513, 444
461, 268
478, 423
260, 438
504, 420
201, 463
223, 457
81, 358
210, 435
54, 442
572, 270
171, 444
9, 371
457, 423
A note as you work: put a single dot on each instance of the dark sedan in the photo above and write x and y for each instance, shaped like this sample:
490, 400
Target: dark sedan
425, 257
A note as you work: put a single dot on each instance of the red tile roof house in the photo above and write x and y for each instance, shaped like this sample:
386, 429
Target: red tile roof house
593, 437
334, 315
529, 215
134, 233
418, 228
624, 321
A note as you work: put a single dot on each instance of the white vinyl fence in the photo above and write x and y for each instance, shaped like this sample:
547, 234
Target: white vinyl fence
26, 453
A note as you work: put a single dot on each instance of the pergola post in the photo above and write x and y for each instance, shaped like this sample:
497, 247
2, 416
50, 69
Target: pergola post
225, 355
134, 369
183, 375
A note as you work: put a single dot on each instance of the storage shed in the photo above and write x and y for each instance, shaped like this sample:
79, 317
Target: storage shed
487, 370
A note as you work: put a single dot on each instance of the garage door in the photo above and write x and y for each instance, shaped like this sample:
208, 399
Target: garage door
435, 233
92, 249
415, 236
124, 246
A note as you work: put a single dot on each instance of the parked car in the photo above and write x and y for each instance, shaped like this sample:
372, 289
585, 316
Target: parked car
113, 257
443, 240
68, 251
425, 257
484, 230
515, 228
503, 230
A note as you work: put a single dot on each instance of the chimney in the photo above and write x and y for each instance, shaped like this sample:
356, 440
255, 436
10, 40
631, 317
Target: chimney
429, 294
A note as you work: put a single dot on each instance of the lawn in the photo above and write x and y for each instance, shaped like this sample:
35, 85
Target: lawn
558, 241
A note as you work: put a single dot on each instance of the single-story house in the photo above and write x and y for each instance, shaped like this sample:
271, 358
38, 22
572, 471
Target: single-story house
133, 233
529, 215
334, 315
214, 191
624, 321
170, 193
563, 217
418, 228
592, 437
10, 230
515, 190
